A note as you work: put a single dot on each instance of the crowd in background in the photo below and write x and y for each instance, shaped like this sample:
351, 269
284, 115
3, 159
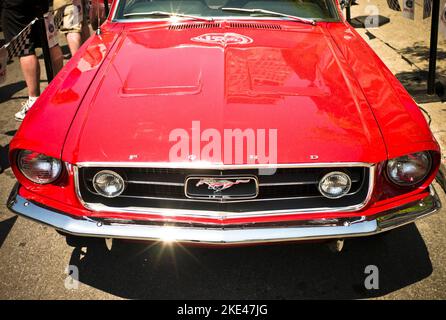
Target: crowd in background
77, 15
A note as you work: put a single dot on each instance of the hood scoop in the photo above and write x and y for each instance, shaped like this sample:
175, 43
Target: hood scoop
235, 25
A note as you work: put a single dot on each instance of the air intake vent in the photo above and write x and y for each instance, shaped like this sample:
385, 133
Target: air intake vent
244, 25
235, 25
194, 26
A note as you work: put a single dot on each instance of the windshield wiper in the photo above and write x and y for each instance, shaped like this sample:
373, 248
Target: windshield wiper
273, 13
167, 14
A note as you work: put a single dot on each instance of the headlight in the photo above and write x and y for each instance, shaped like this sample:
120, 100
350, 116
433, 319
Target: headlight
38, 167
410, 169
335, 185
108, 183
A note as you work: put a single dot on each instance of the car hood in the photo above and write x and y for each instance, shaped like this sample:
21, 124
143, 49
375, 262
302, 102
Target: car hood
161, 84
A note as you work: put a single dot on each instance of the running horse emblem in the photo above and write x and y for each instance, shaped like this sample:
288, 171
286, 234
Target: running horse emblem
218, 185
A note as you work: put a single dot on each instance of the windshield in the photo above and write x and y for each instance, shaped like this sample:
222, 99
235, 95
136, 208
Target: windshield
318, 10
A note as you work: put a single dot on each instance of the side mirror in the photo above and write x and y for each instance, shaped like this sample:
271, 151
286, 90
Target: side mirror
344, 4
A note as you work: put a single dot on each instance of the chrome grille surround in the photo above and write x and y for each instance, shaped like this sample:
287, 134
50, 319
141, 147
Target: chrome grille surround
216, 214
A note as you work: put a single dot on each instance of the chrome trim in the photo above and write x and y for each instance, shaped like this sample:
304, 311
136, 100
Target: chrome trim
115, 11
205, 200
116, 175
214, 19
265, 184
319, 187
273, 184
220, 166
232, 201
308, 230
97, 207
158, 183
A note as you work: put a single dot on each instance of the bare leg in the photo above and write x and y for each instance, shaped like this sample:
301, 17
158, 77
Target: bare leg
56, 58
31, 72
31, 69
74, 40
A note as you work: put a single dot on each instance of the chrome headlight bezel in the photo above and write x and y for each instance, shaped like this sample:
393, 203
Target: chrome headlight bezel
115, 175
28, 160
327, 176
417, 157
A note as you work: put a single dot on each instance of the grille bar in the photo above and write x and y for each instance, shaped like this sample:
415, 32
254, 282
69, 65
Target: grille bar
232, 201
162, 183
177, 177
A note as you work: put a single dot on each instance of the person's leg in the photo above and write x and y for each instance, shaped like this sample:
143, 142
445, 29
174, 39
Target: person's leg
56, 58
31, 72
72, 27
74, 40
17, 17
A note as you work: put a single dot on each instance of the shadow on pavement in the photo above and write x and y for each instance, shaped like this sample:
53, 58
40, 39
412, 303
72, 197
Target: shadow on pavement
8, 90
420, 51
441, 177
373, 21
5, 228
415, 83
4, 160
291, 271
10, 133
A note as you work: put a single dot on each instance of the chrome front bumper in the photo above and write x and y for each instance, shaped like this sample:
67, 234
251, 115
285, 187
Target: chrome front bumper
305, 230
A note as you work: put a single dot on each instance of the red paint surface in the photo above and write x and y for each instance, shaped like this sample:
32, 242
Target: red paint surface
323, 89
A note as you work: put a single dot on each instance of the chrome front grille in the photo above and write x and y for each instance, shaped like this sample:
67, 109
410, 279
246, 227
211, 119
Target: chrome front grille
291, 189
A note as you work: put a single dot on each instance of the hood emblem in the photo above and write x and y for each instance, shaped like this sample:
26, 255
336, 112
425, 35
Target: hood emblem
223, 39
218, 185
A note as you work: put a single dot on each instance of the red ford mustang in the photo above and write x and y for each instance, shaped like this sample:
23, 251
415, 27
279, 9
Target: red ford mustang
224, 122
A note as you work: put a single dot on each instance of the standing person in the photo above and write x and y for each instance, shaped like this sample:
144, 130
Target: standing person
16, 15
74, 25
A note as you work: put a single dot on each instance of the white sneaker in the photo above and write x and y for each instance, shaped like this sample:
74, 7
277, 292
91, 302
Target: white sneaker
19, 116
